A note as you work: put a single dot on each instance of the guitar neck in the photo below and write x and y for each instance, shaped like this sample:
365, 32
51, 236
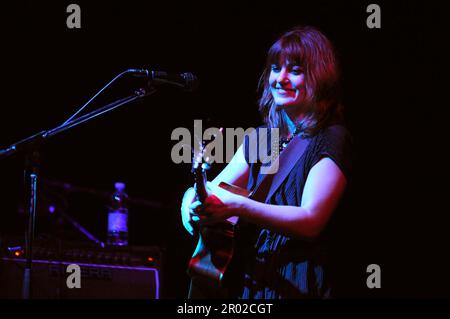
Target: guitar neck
200, 186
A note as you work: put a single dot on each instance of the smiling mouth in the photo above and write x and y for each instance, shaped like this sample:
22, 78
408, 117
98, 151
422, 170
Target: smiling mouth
284, 91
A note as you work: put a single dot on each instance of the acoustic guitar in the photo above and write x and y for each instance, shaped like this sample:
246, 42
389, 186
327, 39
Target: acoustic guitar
216, 244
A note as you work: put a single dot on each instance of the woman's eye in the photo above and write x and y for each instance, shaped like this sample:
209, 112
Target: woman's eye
297, 71
275, 68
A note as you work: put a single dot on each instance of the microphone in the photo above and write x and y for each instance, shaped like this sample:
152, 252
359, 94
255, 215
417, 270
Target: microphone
186, 81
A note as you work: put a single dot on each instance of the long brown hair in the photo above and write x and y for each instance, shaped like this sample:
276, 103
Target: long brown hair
310, 49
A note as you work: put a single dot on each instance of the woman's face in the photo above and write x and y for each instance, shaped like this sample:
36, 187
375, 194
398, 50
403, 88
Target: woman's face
287, 84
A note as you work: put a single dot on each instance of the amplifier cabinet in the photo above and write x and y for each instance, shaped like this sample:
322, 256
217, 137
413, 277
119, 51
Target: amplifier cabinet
98, 281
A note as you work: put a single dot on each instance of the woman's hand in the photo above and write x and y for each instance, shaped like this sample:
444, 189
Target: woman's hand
218, 206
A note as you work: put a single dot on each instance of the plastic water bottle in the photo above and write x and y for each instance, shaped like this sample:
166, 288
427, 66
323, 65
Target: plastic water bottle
118, 217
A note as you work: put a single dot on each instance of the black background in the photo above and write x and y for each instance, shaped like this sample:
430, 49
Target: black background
394, 89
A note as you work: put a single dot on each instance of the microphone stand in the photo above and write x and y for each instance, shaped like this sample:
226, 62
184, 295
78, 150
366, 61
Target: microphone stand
31, 146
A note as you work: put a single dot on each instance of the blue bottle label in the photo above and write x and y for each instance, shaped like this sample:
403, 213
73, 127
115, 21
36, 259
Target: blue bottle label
118, 221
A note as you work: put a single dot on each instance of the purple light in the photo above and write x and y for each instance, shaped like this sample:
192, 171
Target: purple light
51, 209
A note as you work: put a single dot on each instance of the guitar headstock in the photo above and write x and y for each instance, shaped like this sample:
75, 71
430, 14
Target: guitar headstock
201, 163
199, 168
199, 160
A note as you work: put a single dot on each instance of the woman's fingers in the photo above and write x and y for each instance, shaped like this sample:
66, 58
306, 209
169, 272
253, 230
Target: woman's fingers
187, 224
198, 209
195, 208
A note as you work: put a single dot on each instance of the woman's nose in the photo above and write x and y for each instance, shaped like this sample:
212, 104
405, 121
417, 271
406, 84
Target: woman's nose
282, 77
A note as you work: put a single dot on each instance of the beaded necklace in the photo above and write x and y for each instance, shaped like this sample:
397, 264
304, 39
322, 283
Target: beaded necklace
285, 141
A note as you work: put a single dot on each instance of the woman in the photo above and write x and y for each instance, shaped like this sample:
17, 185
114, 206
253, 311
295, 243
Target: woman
300, 86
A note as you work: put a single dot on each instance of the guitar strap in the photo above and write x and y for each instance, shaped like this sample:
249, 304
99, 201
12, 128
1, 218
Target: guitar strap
269, 183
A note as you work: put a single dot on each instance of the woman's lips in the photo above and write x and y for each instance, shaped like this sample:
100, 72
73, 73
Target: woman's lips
284, 91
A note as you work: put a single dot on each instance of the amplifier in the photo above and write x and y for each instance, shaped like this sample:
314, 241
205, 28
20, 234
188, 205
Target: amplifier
125, 273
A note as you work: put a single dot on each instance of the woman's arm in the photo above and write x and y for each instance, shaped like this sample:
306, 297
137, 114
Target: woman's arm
323, 189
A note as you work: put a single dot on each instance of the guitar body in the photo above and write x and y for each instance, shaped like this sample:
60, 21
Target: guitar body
213, 255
